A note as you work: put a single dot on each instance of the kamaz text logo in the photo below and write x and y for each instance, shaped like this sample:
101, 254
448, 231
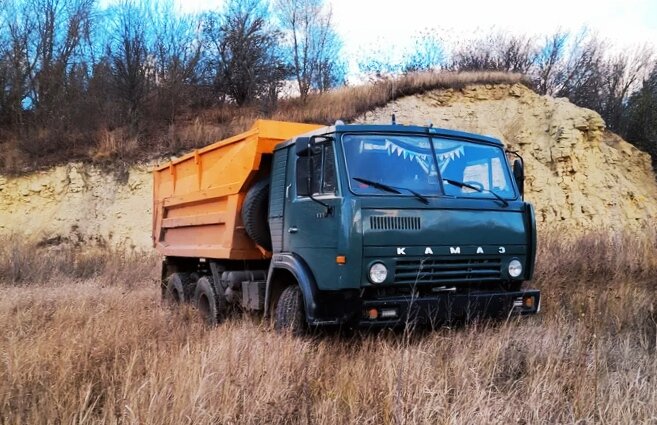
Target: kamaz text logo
455, 250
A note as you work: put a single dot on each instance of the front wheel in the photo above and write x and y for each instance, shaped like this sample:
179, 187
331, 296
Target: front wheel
290, 315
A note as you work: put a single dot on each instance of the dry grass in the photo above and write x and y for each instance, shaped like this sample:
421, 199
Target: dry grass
349, 102
27, 263
104, 350
111, 145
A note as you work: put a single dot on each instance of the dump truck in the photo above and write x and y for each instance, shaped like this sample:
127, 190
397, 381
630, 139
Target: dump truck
348, 225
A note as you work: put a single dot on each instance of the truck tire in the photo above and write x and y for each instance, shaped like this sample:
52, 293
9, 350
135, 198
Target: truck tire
210, 303
176, 290
254, 214
290, 315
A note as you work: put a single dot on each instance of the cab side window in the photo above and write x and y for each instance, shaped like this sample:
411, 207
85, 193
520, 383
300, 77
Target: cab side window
324, 180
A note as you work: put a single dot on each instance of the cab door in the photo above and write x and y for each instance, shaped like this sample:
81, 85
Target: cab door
310, 228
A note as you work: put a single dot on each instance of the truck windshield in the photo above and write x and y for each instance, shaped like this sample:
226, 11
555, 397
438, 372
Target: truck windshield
409, 162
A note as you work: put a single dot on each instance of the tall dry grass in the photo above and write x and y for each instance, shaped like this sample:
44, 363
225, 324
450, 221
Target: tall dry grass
104, 350
28, 262
348, 103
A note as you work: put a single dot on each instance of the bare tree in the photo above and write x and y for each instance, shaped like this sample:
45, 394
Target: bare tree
517, 53
177, 53
427, 54
13, 76
550, 61
496, 52
580, 77
329, 70
641, 116
61, 30
129, 59
622, 74
313, 42
243, 54
43, 69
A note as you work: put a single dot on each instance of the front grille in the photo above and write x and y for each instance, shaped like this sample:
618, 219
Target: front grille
451, 271
394, 223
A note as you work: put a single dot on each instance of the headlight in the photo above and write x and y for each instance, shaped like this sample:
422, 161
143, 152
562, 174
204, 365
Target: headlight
515, 268
378, 273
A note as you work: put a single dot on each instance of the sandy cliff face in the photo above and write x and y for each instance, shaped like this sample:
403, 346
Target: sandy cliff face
579, 177
80, 204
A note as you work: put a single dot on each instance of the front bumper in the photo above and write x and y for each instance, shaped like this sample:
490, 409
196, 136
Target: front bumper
448, 307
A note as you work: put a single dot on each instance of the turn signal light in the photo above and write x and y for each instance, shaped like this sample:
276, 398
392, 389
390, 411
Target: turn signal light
341, 259
373, 314
528, 302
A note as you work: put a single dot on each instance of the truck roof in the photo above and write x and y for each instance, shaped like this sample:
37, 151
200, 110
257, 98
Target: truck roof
396, 129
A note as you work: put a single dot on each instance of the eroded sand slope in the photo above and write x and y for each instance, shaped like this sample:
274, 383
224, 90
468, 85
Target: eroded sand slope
578, 175
79, 203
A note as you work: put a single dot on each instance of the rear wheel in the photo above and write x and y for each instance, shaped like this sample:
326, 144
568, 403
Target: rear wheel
210, 303
176, 292
290, 315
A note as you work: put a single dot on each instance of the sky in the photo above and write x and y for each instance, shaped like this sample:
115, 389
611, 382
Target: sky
368, 24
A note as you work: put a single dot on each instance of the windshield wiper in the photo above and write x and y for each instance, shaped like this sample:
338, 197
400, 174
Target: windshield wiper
419, 196
457, 183
391, 189
377, 185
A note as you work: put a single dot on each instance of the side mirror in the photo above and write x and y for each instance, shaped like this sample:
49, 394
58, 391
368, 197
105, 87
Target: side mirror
302, 146
519, 175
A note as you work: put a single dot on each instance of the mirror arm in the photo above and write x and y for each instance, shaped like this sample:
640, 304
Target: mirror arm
328, 210
521, 183
517, 155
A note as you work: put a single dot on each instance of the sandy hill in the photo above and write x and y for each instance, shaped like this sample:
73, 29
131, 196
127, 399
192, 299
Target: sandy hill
579, 176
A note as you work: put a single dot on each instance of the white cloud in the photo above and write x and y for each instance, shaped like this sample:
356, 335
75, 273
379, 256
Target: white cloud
369, 22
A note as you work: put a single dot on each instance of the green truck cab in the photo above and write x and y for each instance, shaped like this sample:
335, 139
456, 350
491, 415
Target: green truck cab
382, 225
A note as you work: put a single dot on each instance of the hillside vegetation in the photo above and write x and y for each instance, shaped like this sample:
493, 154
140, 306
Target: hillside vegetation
195, 128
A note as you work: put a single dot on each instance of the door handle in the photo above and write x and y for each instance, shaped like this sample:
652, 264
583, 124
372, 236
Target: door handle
292, 230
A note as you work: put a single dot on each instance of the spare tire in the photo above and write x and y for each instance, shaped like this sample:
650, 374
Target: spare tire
254, 214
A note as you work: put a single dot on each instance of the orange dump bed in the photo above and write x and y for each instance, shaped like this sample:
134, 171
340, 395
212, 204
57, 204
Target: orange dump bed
197, 198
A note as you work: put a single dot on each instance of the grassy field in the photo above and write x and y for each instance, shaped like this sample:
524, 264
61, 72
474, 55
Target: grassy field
85, 339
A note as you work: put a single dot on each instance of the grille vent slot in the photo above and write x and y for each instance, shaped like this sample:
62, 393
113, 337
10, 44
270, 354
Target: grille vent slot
394, 223
458, 270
